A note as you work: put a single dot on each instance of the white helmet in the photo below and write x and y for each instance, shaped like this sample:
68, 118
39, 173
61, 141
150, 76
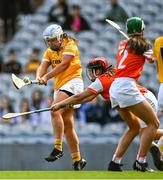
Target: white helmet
53, 31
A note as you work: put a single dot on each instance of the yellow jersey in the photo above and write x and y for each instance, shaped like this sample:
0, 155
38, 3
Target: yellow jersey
158, 53
69, 47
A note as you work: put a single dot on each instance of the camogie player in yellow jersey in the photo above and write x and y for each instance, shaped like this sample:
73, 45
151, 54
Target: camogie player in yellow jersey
158, 53
62, 55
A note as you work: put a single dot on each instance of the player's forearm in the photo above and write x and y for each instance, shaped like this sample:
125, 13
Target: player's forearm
39, 73
88, 99
149, 56
150, 59
77, 99
42, 69
73, 100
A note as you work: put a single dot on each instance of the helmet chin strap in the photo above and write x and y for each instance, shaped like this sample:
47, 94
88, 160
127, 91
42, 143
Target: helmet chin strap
57, 48
136, 34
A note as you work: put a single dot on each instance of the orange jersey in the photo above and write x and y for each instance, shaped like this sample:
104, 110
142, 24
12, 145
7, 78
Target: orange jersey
74, 70
102, 86
128, 63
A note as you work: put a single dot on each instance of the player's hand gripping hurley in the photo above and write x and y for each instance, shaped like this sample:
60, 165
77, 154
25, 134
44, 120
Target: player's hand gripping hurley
19, 83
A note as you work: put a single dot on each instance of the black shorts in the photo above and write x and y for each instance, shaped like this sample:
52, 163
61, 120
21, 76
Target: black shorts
67, 92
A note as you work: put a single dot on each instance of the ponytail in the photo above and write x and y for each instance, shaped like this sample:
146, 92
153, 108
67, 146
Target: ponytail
66, 36
138, 44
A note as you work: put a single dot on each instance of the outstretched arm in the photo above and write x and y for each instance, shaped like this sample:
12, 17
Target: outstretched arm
80, 98
41, 71
149, 56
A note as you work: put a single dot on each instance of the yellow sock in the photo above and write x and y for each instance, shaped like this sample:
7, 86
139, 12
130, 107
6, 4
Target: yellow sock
160, 146
75, 156
58, 144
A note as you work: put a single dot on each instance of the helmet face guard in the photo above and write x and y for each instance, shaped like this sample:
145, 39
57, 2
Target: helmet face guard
53, 44
91, 74
96, 67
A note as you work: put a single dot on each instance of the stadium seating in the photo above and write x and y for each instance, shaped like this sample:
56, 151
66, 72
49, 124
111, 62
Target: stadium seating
102, 40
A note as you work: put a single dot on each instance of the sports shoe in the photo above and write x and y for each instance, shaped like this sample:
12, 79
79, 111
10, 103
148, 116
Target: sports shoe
55, 154
114, 166
79, 165
141, 167
156, 155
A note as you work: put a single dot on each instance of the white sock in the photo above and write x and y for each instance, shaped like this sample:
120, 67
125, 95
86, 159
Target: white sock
116, 159
141, 159
154, 144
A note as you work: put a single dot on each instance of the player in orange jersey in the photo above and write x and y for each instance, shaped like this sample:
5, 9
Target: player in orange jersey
63, 56
124, 93
101, 74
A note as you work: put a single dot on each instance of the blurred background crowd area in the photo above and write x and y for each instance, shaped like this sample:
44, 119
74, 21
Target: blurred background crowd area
21, 48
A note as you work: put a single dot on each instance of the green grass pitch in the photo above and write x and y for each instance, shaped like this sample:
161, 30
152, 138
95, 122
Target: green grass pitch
79, 175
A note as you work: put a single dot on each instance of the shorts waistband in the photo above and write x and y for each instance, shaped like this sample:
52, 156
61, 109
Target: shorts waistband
125, 78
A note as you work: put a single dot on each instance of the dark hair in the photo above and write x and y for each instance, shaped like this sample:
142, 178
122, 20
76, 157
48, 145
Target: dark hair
96, 66
138, 44
75, 6
36, 50
11, 51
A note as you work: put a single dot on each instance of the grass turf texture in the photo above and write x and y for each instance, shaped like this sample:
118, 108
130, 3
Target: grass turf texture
79, 175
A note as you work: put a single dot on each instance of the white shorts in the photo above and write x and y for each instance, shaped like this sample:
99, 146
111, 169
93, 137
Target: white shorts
160, 97
124, 93
74, 86
150, 97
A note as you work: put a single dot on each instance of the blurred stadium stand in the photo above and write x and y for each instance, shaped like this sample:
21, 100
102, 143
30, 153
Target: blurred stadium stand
102, 40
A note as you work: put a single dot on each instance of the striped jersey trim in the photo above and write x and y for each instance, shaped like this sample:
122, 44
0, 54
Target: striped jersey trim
68, 53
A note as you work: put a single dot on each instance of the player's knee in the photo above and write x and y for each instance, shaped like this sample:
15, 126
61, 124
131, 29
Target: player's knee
135, 131
141, 131
55, 114
155, 124
68, 127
